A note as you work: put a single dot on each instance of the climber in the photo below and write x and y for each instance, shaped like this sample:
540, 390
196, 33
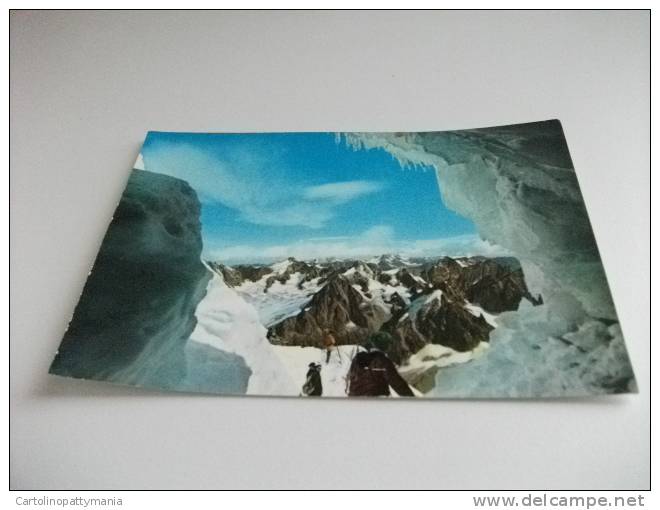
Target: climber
313, 386
329, 343
372, 373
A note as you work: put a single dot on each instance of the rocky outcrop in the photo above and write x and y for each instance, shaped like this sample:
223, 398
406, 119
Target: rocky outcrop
410, 281
433, 310
232, 277
253, 273
308, 272
405, 338
338, 307
397, 304
445, 271
497, 284
388, 261
136, 312
500, 294
236, 275
360, 274
436, 319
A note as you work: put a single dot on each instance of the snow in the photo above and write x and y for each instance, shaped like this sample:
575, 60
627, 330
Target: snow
477, 311
419, 279
377, 298
282, 300
280, 267
436, 295
228, 323
361, 270
383, 291
421, 301
430, 363
333, 375
392, 259
440, 356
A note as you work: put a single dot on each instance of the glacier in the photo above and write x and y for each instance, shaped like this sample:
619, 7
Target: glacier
518, 185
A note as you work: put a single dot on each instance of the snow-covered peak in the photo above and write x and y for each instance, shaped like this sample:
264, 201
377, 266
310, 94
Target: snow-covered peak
361, 269
391, 261
282, 266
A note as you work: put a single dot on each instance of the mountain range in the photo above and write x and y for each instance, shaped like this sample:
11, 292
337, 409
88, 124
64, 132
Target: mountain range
447, 301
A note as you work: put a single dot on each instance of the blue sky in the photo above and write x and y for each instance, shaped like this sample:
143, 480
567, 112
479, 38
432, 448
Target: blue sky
268, 196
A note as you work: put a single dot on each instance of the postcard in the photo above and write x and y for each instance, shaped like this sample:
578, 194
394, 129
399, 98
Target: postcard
456, 264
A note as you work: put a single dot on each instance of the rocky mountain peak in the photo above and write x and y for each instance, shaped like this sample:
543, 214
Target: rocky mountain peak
415, 301
337, 306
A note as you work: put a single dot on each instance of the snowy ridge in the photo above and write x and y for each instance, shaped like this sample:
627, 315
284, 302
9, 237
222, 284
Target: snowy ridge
228, 323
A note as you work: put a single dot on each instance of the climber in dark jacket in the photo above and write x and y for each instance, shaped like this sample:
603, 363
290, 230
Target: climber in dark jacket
313, 386
372, 374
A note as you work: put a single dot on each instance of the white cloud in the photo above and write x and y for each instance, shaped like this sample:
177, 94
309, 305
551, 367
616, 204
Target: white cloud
378, 235
374, 241
252, 185
465, 245
341, 192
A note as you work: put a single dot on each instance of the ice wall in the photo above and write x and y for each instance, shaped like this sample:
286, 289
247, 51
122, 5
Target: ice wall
518, 185
228, 323
137, 310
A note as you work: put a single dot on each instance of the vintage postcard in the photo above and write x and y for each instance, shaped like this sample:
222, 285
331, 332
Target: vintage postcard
456, 264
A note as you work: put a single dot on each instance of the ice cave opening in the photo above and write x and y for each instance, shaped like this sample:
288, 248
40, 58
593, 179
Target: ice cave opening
517, 184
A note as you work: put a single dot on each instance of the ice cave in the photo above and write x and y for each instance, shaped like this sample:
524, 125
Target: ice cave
518, 185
